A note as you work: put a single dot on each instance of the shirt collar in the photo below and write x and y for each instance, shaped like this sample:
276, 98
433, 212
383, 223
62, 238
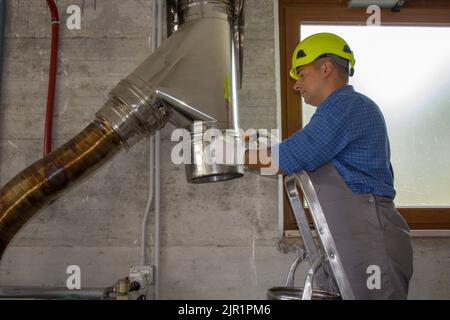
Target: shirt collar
345, 89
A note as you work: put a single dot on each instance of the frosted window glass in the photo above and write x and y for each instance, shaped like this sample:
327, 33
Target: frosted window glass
406, 71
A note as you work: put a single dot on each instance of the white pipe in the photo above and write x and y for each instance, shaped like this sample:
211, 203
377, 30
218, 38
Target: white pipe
149, 202
157, 212
160, 24
153, 46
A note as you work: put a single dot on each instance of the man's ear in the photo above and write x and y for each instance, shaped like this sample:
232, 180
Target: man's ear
327, 68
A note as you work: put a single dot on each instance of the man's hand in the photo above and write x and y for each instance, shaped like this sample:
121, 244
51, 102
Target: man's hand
258, 153
253, 151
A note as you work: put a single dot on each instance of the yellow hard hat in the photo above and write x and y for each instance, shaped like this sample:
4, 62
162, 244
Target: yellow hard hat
316, 46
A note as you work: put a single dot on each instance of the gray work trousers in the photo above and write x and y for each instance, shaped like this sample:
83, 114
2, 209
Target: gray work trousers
370, 236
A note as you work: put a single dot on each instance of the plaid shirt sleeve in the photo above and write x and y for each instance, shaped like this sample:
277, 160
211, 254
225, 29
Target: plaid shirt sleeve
349, 130
318, 142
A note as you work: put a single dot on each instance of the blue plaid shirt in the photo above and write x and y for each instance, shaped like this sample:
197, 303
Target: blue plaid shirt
347, 129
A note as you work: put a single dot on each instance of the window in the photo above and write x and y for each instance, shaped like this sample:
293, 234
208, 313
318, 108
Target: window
403, 66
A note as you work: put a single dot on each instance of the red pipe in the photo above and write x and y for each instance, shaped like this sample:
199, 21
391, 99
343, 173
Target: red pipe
52, 77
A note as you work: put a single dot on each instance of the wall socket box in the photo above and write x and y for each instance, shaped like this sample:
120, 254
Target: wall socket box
142, 274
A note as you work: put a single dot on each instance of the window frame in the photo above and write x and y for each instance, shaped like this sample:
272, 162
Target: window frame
294, 13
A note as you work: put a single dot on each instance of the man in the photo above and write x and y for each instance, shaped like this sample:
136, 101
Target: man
345, 148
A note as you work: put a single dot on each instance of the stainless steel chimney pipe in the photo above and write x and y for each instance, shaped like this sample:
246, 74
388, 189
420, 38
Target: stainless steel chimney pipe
194, 74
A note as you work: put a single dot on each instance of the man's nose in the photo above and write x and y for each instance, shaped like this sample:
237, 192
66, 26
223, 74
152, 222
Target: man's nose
297, 86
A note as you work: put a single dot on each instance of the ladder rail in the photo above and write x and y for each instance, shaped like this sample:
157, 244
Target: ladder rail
324, 234
290, 280
302, 221
322, 280
308, 288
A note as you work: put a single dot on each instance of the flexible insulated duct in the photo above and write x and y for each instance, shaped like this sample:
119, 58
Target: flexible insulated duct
191, 80
45, 180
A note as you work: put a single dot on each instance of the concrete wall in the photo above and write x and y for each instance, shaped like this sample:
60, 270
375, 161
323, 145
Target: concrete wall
219, 241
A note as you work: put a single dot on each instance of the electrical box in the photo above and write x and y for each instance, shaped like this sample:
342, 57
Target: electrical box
144, 275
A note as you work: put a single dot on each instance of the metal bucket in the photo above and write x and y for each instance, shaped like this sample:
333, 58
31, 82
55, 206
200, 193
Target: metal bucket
295, 293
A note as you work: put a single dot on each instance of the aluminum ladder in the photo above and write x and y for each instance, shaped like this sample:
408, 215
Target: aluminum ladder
325, 263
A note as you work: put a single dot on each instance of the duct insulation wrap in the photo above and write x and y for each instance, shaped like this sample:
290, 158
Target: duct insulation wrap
45, 180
